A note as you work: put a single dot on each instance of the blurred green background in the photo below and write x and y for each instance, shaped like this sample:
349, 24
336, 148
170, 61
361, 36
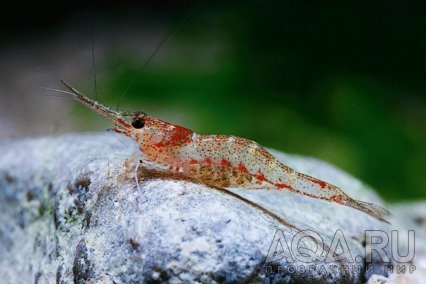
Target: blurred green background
339, 81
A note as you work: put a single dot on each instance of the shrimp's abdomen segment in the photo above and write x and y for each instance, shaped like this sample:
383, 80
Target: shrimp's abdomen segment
231, 162
218, 175
228, 159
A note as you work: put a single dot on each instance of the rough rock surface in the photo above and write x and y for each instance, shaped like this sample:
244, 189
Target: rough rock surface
71, 212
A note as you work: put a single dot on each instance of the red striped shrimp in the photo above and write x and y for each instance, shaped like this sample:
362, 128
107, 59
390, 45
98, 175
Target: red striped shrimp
219, 160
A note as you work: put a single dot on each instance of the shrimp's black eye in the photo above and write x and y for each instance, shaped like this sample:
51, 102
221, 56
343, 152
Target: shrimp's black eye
138, 122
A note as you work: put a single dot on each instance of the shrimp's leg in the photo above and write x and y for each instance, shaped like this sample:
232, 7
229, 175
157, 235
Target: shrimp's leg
136, 174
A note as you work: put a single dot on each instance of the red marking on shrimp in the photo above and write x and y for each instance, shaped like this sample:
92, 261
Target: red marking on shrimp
337, 199
159, 144
242, 168
255, 167
180, 135
260, 176
225, 163
321, 183
283, 186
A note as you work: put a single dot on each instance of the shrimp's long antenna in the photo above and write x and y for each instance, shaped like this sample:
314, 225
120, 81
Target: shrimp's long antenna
114, 115
159, 46
94, 61
55, 90
73, 90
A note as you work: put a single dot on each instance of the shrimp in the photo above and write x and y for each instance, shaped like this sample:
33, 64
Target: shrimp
219, 160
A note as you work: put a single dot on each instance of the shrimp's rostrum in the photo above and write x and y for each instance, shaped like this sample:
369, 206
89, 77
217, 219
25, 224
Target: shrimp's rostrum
219, 160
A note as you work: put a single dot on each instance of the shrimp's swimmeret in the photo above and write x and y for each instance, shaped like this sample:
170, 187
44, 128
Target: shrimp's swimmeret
219, 160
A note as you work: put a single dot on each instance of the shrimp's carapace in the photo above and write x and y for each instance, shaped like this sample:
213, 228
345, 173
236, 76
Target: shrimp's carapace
219, 160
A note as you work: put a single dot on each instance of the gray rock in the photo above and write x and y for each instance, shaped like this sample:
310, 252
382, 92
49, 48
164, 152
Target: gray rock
72, 212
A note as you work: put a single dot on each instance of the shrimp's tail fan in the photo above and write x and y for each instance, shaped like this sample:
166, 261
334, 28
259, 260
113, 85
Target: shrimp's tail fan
373, 210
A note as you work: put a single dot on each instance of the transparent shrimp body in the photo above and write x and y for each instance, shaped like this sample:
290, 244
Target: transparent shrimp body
219, 160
